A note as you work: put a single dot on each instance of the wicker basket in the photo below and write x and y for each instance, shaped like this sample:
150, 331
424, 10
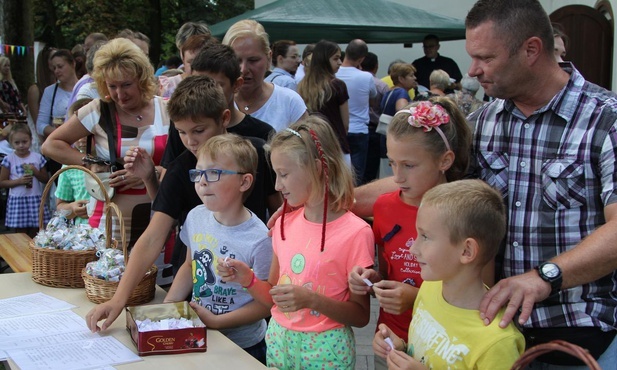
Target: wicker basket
556, 345
99, 290
61, 268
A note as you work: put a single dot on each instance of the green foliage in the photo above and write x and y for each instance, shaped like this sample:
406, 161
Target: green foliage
65, 23
76, 19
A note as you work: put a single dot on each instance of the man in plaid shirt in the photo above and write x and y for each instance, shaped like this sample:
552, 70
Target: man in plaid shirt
548, 143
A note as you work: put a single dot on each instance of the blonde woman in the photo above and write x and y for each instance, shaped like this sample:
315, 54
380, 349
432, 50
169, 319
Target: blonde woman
10, 101
124, 78
275, 105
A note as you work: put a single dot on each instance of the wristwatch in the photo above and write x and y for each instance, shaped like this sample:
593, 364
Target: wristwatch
551, 273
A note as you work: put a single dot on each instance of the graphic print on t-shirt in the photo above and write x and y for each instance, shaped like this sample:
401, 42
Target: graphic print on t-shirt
203, 274
431, 337
406, 262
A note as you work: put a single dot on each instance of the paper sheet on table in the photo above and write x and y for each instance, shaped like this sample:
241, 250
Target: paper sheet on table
48, 340
40, 325
93, 353
31, 304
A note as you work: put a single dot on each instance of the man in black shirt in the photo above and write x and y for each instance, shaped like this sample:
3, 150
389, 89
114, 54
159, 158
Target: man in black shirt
432, 61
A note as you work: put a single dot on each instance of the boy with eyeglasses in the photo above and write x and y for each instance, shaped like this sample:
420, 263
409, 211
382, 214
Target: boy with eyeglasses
223, 228
200, 111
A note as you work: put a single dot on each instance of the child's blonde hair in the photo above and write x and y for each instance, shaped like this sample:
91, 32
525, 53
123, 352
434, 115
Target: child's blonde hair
236, 147
309, 139
456, 132
471, 209
19, 127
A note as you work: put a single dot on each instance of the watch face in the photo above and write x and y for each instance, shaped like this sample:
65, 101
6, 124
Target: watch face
550, 270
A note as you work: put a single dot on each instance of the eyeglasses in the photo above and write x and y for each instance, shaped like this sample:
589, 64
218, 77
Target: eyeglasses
212, 174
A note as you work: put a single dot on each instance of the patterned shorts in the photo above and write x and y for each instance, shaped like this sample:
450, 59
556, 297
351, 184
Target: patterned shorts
289, 349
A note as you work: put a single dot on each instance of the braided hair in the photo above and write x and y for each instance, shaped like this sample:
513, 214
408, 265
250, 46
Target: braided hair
331, 180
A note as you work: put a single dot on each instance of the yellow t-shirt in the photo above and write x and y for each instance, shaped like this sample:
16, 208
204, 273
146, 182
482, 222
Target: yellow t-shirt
442, 336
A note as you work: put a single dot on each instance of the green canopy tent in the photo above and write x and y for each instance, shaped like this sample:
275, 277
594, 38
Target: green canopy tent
374, 21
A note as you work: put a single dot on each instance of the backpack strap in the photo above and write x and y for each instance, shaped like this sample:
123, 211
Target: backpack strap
108, 124
53, 100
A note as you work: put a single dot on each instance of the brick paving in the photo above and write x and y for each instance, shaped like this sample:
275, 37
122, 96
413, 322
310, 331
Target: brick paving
364, 340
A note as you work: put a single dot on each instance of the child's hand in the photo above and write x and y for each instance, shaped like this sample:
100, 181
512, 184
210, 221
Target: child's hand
357, 285
108, 310
291, 298
79, 209
25, 180
400, 360
380, 347
137, 162
204, 314
231, 270
395, 297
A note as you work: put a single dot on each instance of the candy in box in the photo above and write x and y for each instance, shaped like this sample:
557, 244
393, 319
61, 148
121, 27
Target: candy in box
166, 335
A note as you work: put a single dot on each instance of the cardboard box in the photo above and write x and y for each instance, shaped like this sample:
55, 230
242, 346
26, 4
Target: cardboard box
171, 341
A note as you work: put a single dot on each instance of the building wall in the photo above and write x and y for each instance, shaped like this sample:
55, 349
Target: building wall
454, 49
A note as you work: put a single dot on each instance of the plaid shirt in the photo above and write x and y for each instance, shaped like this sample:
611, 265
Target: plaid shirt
556, 170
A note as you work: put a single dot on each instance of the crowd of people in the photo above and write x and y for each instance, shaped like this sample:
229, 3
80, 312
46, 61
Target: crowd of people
491, 223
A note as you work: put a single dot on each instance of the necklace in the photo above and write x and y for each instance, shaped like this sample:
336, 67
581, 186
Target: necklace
138, 117
248, 104
255, 99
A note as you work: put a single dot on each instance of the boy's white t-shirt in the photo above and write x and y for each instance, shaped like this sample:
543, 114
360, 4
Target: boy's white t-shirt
209, 241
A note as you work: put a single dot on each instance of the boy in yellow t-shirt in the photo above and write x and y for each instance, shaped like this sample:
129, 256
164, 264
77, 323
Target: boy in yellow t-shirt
460, 227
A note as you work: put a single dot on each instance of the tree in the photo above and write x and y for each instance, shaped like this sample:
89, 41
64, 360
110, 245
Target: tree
65, 23
18, 31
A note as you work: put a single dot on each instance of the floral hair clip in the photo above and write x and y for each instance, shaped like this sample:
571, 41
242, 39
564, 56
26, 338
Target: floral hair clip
428, 116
